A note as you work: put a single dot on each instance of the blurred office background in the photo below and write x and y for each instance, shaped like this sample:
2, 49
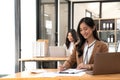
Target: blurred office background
22, 22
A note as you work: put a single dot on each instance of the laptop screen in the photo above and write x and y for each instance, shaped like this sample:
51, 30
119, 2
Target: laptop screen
57, 51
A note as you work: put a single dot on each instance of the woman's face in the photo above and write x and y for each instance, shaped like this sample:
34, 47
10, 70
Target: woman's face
70, 38
86, 31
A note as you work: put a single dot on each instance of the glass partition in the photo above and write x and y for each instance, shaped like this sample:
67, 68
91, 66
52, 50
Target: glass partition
47, 20
63, 27
53, 21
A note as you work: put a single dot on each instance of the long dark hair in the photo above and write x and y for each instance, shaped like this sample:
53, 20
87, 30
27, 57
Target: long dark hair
74, 35
90, 22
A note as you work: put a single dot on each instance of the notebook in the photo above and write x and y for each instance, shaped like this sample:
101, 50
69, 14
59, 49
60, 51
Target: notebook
107, 63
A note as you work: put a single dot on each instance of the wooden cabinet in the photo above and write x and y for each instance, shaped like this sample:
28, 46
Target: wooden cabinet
109, 31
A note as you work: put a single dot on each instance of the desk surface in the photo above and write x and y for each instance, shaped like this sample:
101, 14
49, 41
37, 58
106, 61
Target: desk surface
26, 75
45, 59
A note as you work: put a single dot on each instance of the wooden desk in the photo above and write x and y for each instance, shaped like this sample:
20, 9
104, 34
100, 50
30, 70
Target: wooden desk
45, 59
28, 76
40, 59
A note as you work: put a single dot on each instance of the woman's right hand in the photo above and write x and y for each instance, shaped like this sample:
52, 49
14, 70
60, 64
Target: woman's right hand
61, 68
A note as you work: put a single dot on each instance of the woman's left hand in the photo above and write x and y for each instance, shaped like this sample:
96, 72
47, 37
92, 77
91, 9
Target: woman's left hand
83, 66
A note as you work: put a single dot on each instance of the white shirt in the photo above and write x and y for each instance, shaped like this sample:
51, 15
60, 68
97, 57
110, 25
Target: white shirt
87, 54
69, 50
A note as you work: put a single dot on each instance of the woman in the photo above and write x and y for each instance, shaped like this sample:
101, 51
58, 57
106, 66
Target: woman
89, 45
71, 39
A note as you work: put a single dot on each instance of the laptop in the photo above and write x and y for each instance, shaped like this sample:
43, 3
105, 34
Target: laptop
57, 51
107, 63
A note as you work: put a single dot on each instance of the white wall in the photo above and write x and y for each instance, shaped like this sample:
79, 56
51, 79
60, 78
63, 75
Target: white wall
7, 37
28, 30
111, 10
7, 33
79, 11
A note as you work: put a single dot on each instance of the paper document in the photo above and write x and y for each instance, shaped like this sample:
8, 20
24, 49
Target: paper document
55, 74
72, 71
68, 72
